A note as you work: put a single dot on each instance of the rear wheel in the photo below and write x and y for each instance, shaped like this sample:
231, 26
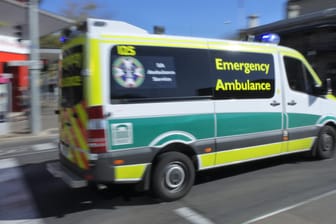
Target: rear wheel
326, 143
173, 176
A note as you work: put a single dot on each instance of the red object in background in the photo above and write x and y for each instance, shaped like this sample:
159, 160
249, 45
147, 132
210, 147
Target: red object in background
3, 80
20, 81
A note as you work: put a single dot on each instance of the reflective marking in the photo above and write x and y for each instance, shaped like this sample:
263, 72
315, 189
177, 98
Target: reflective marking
192, 216
290, 207
187, 135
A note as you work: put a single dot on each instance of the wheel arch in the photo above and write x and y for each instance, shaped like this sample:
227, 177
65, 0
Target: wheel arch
327, 120
331, 124
175, 141
315, 150
180, 147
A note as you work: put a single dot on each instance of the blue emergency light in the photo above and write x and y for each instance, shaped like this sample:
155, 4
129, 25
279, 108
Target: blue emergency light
63, 39
268, 38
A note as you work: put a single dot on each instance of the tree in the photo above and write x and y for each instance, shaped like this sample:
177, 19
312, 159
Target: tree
78, 10
51, 41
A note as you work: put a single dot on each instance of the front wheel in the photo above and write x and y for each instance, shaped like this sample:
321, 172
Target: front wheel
173, 176
326, 143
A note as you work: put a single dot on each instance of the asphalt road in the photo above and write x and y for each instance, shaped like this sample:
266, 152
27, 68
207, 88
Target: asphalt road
282, 189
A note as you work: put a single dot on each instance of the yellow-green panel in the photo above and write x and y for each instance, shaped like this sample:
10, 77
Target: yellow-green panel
129, 172
159, 44
95, 77
207, 160
245, 47
154, 39
231, 156
331, 97
301, 144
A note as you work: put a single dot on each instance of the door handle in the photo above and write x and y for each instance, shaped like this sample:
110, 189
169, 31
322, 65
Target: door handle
292, 103
275, 103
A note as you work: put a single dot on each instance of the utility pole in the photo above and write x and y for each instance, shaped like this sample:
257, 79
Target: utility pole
34, 81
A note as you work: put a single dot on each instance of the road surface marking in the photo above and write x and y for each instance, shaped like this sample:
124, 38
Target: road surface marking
291, 207
10, 151
8, 163
44, 146
28, 150
192, 216
23, 221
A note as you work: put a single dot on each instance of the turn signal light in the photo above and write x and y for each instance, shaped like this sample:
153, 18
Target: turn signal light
118, 162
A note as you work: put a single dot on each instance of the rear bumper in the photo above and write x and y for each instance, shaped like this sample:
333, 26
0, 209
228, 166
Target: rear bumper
136, 168
70, 178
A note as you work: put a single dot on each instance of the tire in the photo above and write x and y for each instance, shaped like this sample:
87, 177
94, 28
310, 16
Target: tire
326, 143
173, 176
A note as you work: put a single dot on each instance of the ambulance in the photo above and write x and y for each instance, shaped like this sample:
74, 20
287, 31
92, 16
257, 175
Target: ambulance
155, 109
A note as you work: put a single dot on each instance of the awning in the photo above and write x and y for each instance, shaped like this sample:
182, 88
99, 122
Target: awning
14, 13
319, 19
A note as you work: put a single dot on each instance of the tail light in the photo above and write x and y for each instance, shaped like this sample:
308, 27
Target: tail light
96, 130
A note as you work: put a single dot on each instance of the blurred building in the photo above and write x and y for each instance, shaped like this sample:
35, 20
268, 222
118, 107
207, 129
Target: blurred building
15, 47
310, 27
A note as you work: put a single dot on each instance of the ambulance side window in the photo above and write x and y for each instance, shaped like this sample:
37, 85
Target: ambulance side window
242, 75
298, 76
154, 74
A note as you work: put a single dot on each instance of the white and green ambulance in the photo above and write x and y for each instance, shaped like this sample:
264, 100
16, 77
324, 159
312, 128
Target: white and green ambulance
155, 109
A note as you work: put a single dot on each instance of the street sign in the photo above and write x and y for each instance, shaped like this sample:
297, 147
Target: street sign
33, 64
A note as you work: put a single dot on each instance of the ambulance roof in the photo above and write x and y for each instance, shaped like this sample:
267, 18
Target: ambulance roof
106, 28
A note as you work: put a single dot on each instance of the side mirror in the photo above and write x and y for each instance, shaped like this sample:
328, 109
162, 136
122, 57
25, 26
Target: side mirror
320, 90
324, 89
329, 86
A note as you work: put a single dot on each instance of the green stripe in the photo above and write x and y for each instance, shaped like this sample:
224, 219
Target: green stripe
152, 131
243, 123
145, 130
301, 120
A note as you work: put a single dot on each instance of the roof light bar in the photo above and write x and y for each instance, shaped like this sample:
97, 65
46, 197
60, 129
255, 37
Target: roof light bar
272, 38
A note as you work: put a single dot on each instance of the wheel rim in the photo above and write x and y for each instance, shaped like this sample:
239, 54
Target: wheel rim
174, 176
327, 142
